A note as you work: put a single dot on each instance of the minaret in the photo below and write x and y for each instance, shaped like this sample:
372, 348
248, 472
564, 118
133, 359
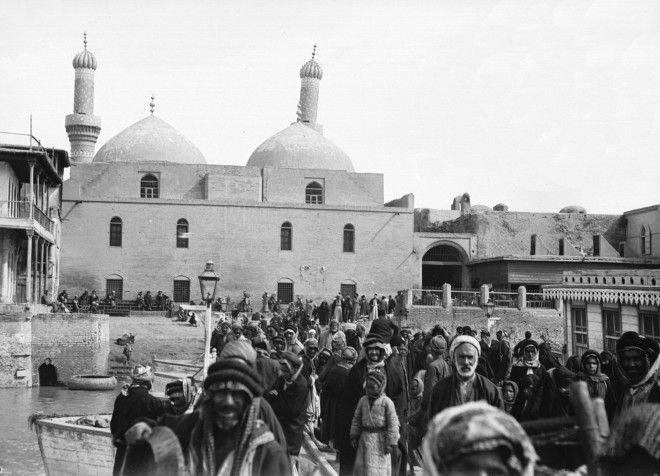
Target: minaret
83, 127
310, 78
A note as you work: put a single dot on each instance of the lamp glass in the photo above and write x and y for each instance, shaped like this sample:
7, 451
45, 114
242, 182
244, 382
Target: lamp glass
208, 282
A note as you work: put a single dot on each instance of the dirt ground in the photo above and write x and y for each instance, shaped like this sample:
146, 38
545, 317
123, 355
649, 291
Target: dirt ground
165, 337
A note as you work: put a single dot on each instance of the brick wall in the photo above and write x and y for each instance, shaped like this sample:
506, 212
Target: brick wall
15, 349
77, 343
243, 242
541, 322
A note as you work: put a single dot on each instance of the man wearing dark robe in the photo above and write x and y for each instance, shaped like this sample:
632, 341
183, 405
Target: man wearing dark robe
395, 389
233, 428
289, 398
464, 385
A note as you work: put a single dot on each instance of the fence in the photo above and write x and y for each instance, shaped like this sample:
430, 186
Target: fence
465, 297
504, 298
427, 297
536, 300
21, 209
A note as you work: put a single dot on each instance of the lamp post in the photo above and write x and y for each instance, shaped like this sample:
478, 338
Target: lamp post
489, 306
208, 281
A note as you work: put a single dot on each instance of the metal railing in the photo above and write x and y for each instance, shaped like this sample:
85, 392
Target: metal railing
21, 209
427, 297
504, 298
536, 300
465, 298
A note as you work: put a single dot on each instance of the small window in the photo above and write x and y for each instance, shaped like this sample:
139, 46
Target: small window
349, 239
285, 292
622, 247
643, 240
611, 329
561, 247
116, 285
181, 290
115, 231
286, 233
347, 289
182, 235
580, 331
649, 324
532, 245
596, 242
314, 193
149, 186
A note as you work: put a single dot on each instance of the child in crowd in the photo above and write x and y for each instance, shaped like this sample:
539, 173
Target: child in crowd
509, 394
375, 429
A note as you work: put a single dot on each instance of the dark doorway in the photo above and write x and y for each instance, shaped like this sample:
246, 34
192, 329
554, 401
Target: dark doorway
442, 264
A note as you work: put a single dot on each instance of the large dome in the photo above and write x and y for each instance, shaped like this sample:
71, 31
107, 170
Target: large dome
150, 140
300, 147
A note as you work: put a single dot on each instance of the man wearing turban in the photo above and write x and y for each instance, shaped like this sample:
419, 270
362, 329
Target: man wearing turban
464, 385
639, 361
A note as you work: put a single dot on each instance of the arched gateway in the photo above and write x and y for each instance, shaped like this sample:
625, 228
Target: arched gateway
443, 263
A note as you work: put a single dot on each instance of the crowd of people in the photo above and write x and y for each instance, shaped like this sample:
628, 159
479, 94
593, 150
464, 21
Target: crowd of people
385, 399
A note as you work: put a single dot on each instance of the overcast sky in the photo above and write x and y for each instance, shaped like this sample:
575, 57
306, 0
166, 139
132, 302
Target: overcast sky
536, 104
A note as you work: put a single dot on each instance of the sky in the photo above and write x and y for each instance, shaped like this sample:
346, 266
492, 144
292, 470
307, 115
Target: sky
535, 104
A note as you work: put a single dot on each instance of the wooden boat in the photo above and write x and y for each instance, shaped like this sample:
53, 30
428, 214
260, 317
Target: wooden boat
69, 448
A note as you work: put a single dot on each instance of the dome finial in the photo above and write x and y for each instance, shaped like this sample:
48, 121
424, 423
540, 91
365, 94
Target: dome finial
85, 39
152, 104
314, 52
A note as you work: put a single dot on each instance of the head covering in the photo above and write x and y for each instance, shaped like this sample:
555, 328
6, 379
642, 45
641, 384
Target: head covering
290, 327
292, 358
142, 373
476, 427
464, 339
236, 325
325, 353
438, 344
587, 355
527, 343
234, 374
339, 337
349, 355
420, 386
633, 341
378, 377
396, 340
311, 343
239, 349
278, 339
381, 327
373, 340
513, 384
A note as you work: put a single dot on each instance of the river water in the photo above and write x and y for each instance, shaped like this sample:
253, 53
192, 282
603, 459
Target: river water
19, 450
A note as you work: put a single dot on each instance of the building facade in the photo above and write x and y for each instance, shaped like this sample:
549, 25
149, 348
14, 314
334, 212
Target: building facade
30, 187
598, 306
146, 212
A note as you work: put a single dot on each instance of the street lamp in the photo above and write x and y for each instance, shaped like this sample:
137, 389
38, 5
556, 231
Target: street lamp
489, 307
208, 281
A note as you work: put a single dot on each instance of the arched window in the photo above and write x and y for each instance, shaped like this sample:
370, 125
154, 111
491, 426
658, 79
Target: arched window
645, 241
349, 239
149, 186
115, 231
181, 289
314, 193
182, 233
286, 233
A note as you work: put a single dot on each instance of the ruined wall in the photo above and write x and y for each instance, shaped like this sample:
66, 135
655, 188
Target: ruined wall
509, 233
77, 343
547, 323
15, 352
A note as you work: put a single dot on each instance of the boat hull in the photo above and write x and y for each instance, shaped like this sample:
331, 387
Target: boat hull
71, 449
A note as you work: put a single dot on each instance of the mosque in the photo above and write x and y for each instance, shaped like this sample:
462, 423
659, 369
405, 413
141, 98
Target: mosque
146, 211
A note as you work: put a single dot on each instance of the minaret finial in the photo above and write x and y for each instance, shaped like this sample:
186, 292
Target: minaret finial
85, 39
152, 104
313, 52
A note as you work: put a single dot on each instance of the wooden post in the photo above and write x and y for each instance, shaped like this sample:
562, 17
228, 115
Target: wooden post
586, 418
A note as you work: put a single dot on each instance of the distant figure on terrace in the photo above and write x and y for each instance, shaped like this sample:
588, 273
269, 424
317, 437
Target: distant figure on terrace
63, 296
139, 301
148, 301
